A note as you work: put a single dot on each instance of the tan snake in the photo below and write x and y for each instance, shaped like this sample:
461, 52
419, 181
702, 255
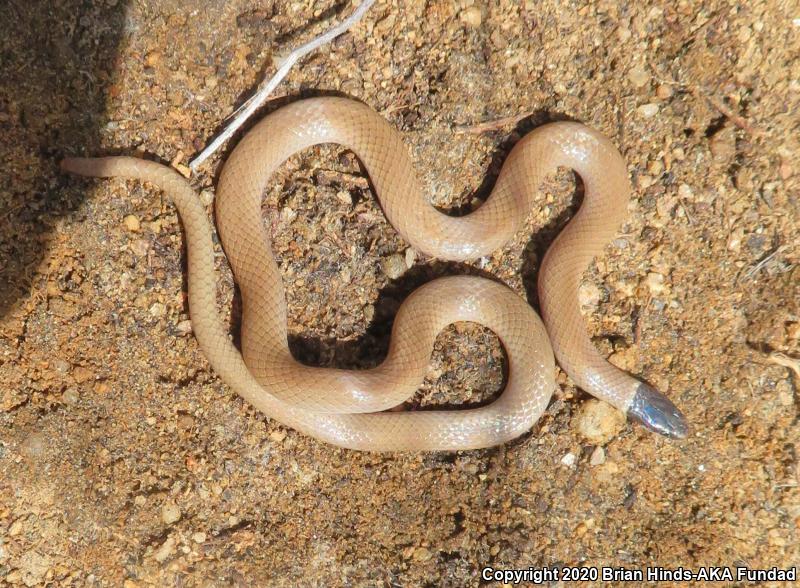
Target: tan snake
349, 408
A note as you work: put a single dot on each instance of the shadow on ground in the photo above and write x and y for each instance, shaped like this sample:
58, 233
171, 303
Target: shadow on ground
53, 94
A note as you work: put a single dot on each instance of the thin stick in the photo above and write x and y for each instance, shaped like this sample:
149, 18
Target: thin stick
739, 121
266, 88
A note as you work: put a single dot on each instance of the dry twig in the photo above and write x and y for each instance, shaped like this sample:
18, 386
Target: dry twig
248, 108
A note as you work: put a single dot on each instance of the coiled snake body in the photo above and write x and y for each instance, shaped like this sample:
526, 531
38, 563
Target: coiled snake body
348, 408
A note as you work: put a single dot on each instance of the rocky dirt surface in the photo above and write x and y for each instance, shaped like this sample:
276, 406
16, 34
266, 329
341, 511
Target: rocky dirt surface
126, 462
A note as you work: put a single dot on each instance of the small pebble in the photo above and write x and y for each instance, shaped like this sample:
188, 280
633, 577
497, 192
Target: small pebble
166, 549
639, 76
61, 366
277, 436
411, 257
584, 526
599, 422
648, 110
394, 266
589, 295
344, 197
644, 181
207, 197
655, 167
685, 192
132, 223
598, 456
170, 513
185, 421
199, 537
140, 247
472, 16
569, 459
655, 283
153, 58
184, 170
664, 92
184, 327
70, 396
81, 374
723, 145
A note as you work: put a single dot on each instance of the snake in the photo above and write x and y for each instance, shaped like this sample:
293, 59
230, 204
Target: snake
363, 409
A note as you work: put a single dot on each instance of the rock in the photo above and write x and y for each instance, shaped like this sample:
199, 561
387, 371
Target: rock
394, 266
33, 567
786, 170
685, 192
199, 537
568, 460
722, 145
411, 257
472, 16
648, 110
638, 76
170, 513
184, 327
422, 554
140, 247
132, 223
82, 374
344, 197
185, 421
664, 92
61, 366
153, 58
599, 422
598, 456
589, 295
277, 436
166, 549
655, 167
206, 197
655, 283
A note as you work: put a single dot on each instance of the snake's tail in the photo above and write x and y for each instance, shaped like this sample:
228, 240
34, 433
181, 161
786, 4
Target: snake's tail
98, 167
657, 413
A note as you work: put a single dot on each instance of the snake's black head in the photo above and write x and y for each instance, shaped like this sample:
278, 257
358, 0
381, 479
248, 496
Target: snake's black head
657, 413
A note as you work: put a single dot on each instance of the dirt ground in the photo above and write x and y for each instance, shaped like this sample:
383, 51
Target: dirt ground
124, 459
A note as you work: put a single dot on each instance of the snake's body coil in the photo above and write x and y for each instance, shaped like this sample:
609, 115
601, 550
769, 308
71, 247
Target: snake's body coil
348, 408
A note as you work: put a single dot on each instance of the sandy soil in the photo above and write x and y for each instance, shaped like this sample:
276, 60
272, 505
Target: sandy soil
126, 462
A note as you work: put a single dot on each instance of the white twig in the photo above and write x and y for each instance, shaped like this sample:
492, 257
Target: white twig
256, 100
